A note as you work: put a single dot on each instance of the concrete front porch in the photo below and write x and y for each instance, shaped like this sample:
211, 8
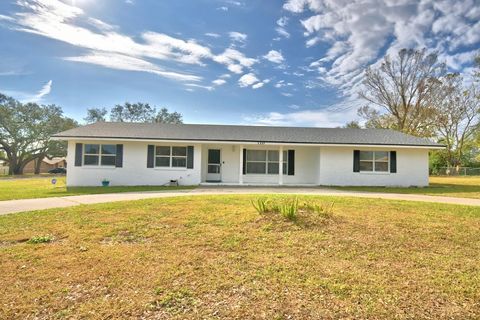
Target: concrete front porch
227, 165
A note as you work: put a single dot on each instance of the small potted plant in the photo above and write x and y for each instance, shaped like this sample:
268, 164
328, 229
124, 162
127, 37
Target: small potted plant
105, 182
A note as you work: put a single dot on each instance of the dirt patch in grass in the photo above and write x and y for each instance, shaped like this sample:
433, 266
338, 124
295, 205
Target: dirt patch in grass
215, 257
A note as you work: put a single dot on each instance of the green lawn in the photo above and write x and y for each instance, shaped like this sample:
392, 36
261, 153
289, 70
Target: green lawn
460, 187
217, 258
41, 187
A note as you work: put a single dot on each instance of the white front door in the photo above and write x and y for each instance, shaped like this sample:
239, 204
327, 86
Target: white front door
214, 166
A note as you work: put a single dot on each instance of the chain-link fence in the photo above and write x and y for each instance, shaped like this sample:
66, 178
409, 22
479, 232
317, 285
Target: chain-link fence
457, 171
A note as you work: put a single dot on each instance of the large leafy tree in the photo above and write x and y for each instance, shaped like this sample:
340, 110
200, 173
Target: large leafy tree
134, 112
96, 115
26, 130
401, 88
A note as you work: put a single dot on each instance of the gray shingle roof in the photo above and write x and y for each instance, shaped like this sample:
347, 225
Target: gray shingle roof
231, 133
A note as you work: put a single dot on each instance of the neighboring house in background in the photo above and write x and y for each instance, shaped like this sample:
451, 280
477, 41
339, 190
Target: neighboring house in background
154, 154
47, 164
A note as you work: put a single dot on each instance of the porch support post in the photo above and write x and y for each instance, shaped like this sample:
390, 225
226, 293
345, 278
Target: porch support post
240, 167
280, 166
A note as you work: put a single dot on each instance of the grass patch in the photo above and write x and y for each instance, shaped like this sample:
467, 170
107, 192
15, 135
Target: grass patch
41, 187
459, 187
216, 257
40, 239
289, 208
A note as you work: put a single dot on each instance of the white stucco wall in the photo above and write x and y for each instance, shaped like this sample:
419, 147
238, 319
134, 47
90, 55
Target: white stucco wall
306, 165
134, 170
336, 168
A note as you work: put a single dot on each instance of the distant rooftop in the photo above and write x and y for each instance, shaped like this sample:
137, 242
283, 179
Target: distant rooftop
235, 133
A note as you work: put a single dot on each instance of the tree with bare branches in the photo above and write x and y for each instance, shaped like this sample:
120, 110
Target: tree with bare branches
401, 88
457, 116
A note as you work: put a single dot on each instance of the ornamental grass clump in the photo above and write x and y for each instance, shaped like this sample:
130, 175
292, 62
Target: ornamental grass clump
289, 210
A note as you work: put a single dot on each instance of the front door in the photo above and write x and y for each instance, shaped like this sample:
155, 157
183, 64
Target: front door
214, 166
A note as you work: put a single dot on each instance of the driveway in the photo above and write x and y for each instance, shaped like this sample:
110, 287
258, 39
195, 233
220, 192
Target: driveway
12, 206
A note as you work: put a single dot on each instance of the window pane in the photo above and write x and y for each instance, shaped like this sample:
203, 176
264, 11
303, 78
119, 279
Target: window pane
285, 155
162, 151
273, 168
109, 149
366, 155
162, 162
381, 166
256, 155
273, 155
381, 155
285, 168
91, 148
213, 156
213, 168
108, 160
179, 151
179, 162
90, 160
256, 167
366, 166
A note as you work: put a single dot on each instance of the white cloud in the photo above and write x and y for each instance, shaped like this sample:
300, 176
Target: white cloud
287, 94
6, 18
212, 34
274, 56
299, 118
357, 33
69, 24
281, 31
281, 24
195, 85
122, 62
237, 36
46, 89
247, 80
223, 8
234, 60
219, 82
258, 85
28, 97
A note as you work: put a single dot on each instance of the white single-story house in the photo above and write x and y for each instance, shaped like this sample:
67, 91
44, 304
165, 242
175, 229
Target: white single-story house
193, 154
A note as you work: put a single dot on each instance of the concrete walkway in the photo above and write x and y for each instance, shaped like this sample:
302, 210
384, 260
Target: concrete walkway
12, 206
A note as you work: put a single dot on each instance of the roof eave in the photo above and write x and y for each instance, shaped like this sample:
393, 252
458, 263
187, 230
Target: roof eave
250, 142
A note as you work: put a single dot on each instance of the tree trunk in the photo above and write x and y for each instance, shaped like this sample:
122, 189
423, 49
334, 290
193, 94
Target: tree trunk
38, 164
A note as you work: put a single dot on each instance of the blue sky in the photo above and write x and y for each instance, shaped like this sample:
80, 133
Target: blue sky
293, 62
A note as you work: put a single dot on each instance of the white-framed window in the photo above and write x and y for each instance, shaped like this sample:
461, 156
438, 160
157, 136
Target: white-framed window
265, 162
374, 161
169, 156
99, 154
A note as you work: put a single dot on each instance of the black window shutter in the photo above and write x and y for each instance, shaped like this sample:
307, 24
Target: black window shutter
150, 155
190, 157
78, 154
393, 161
119, 156
291, 162
244, 169
356, 160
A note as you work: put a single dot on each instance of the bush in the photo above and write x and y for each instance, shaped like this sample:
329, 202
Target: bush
41, 239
